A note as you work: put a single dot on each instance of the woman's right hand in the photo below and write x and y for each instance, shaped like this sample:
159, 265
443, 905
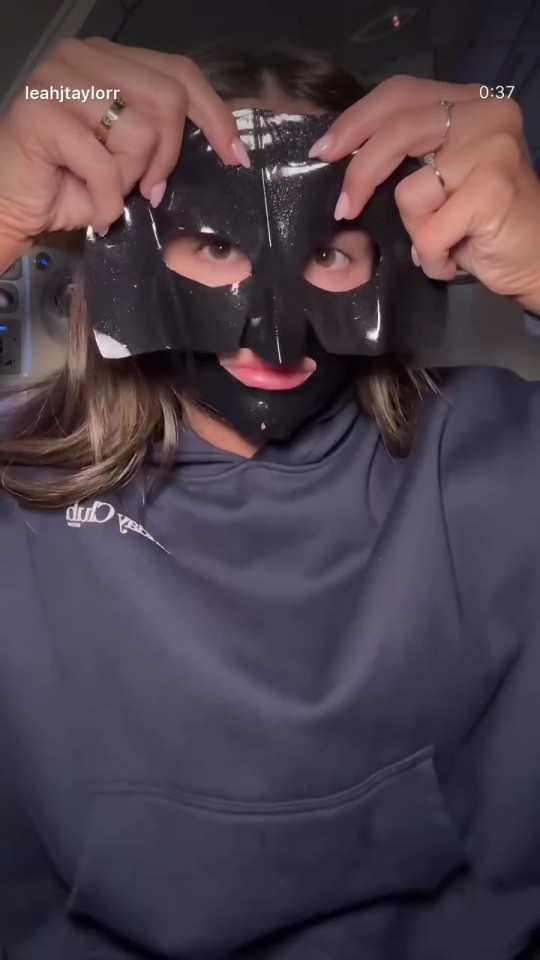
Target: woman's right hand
54, 172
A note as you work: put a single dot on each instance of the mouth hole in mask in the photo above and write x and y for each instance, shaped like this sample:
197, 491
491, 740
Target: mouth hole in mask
345, 262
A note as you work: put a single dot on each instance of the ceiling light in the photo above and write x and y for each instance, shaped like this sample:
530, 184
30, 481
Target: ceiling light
385, 25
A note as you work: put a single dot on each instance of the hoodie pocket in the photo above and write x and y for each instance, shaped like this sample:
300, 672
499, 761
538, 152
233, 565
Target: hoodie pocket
187, 876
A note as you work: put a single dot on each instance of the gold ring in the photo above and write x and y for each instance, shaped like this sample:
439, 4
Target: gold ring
448, 105
429, 158
110, 118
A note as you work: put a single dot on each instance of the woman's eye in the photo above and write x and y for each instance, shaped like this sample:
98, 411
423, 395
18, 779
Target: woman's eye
217, 249
330, 258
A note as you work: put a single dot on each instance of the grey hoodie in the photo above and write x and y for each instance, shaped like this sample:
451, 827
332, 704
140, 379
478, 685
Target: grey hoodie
292, 711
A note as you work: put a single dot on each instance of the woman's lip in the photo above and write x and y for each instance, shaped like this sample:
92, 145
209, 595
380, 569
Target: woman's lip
268, 377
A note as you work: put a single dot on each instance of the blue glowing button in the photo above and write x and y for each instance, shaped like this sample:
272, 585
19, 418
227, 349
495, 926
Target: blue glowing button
42, 261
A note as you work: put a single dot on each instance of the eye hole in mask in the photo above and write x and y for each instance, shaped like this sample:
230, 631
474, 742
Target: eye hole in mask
210, 260
344, 263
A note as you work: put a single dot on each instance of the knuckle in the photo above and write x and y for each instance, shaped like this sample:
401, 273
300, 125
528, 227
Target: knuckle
496, 188
172, 98
403, 192
17, 114
424, 246
100, 42
188, 66
142, 136
512, 110
191, 74
42, 74
401, 82
399, 126
508, 115
68, 47
507, 147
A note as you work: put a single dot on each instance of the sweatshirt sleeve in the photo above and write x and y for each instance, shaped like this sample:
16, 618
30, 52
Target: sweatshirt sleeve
490, 487
35, 923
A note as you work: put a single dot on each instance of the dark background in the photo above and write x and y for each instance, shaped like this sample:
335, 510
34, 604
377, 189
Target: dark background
489, 41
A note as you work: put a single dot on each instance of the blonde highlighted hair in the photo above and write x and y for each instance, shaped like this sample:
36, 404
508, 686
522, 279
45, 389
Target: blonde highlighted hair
98, 419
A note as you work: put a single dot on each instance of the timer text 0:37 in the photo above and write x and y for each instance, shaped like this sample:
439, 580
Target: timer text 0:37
497, 92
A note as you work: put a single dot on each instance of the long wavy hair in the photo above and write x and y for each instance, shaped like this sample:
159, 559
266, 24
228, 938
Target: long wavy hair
96, 420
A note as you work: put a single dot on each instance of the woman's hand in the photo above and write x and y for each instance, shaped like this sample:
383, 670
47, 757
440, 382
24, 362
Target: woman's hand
54, 172
487, 219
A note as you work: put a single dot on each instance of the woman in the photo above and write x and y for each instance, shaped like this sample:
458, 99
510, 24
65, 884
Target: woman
293, 714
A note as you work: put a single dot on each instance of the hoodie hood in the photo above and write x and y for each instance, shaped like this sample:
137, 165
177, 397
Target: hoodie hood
314, 442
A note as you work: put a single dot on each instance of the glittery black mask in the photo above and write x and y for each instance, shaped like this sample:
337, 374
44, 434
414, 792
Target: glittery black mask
276, 213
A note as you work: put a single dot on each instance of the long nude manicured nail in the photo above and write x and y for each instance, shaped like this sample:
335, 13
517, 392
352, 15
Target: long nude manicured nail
342, 206
414, 257
240, 152
321, 146
157, 192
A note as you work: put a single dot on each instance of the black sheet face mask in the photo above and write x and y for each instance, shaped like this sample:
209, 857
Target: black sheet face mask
276, 215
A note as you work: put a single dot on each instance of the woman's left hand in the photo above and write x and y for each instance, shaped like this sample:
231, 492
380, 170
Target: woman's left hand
487, 219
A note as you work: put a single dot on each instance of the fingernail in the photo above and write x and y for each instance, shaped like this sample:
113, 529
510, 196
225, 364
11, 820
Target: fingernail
103, 233
321, 146
157, 193
342, 206
241, 153
415, 258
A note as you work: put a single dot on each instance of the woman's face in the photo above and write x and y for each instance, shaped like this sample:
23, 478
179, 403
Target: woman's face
344, 264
